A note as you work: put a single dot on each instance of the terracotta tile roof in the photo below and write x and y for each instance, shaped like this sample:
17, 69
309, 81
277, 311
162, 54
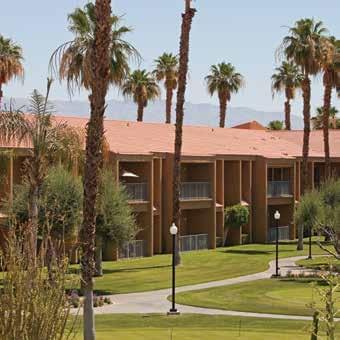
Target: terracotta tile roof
316, 141
134, 138
253, 125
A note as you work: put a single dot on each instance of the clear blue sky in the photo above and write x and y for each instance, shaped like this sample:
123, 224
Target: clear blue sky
244, 32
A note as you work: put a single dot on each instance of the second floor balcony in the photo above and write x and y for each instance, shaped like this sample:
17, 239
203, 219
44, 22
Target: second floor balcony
279, 189
137, 191
195, 190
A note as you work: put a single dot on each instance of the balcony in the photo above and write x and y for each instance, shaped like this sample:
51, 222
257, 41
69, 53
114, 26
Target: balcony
195, 190
279, 189
137, 191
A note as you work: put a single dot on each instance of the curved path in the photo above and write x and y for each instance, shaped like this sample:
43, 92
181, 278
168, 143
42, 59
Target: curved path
156, 301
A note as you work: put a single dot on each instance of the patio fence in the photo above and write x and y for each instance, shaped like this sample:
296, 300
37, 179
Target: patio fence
283, 233
136, 248
193, 242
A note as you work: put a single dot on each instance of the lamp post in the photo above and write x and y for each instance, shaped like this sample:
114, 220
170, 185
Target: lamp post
277, 218
173, 232
310, 244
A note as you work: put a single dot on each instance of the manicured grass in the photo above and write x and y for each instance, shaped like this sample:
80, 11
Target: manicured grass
320, 263
278, 296
192, 327
200, 266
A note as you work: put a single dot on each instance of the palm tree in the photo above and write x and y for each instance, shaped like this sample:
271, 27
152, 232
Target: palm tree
167, 70
48, 140
100, 75
10, 62
287, 78
187, 18
318, 119
224, 80
71, 61
302, 46
330, 75
141, 86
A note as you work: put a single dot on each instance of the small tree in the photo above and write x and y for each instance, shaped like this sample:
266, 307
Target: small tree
328, 312
235, 217
115, 220
60, 204
275, 125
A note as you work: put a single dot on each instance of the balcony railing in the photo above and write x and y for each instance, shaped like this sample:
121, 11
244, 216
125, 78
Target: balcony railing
283, 233
278, 188
195, 190
137, 191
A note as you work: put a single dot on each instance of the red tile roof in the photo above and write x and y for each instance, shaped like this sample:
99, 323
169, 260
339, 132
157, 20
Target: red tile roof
135, 138
253, 125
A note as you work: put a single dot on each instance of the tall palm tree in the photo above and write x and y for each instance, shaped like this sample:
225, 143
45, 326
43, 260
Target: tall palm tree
141, 86
330, 75
11, 59
302, 46
100, 76
71, 61
287, 78
48, 140
224, 80
187, 18
99, 60
167, 70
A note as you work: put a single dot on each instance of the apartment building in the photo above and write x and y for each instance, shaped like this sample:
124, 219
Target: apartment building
245, 165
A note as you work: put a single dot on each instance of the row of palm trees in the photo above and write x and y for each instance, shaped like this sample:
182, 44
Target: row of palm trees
307, 51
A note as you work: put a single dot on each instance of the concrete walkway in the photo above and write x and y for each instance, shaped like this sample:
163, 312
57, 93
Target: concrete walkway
156, 301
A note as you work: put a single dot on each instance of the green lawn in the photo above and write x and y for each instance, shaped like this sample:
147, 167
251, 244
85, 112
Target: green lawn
322, 262
192, 327
201, 266
278, 296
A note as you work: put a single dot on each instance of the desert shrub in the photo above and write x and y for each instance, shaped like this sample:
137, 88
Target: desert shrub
33, 305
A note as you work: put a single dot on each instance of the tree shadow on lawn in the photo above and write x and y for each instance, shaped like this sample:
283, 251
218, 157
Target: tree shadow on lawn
246, 252
121, 270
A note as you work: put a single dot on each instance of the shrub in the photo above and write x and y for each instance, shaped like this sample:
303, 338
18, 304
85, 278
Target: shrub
236, 216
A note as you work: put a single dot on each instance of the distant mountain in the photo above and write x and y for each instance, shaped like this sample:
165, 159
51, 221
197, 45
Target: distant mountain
195, 114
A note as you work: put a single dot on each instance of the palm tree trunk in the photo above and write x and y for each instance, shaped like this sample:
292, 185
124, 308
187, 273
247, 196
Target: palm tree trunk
100, 67
223, 110
169, 95
326, 107
99, 256
140, 112
287, 114
34, 220
305, 149
182, 82
1, 95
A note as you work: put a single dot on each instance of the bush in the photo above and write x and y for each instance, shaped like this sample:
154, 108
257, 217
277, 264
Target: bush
236, 216
275, 125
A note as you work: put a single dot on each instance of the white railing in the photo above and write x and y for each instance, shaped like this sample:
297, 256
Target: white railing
132, 249
195, 190
137, 191
283, 233
193, 242
278, 188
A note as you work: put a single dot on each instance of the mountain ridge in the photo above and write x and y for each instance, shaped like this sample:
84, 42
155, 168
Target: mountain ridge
202, 114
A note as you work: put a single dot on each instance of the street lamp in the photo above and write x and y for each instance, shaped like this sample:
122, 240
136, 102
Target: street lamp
310, 243
277, 218
173, 232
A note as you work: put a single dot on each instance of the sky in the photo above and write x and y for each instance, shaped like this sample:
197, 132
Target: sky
244, 32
